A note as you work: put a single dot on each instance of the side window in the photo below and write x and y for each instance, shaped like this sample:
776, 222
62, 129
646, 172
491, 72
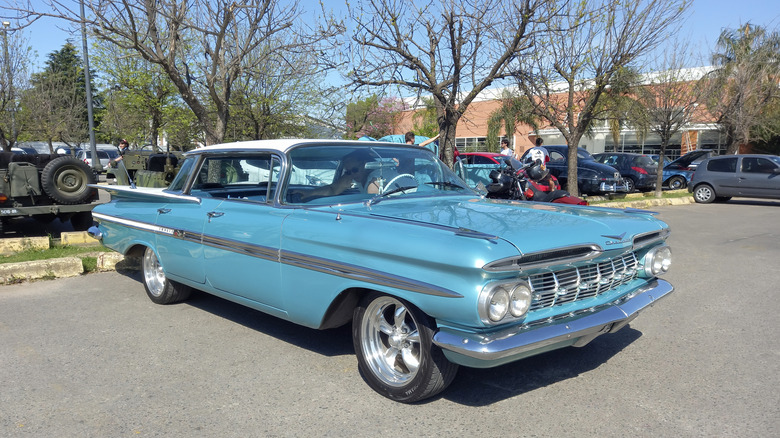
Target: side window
723, 165
238, 177
757, 165
478, 159
556, 156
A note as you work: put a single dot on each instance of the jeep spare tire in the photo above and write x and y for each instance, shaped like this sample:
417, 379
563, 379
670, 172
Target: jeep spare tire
66, 180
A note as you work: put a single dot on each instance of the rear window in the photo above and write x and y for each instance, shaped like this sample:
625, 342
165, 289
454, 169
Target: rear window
644, 161
723, 165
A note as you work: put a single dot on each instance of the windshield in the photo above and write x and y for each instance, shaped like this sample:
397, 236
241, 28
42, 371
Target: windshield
325, 175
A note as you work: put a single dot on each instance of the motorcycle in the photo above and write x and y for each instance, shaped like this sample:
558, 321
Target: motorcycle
528, 182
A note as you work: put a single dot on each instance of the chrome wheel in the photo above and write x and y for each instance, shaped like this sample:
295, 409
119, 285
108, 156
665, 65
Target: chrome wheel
391, 341
676, 183
154, 276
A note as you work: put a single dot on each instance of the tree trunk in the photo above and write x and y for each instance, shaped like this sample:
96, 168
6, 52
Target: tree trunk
659, 180
572, 142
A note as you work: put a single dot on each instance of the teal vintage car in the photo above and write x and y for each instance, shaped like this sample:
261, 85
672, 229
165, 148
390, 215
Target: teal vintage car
386, 237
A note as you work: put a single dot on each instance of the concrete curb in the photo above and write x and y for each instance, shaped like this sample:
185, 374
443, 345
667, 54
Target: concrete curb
38, 269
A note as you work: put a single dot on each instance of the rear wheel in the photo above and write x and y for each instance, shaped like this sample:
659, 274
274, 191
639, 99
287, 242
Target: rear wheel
703, 194
630, 184
159, 289
396, 355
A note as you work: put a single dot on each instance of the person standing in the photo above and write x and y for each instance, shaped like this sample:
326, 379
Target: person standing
505, 148
123, 147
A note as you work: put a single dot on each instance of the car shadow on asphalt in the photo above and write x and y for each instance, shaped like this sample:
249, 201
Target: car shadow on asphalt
485, 386
471, 387
331, 342
756, 202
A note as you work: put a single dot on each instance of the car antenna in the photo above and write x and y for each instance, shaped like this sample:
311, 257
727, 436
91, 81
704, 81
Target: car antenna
132, 183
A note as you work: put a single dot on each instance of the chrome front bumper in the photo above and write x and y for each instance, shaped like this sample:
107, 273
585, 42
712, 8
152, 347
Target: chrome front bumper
613, 187
494, 349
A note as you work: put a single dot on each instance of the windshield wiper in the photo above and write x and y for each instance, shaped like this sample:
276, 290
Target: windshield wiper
379, 196
447, 184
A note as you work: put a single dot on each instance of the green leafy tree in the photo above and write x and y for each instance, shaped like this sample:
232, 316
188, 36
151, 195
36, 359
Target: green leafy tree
514, 110
426, 122
138, 96
54, 108
269, 100
744, 82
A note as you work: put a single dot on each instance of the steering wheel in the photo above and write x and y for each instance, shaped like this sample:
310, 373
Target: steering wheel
386, 187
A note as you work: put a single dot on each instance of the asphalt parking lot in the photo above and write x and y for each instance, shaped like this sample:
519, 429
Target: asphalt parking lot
92, 356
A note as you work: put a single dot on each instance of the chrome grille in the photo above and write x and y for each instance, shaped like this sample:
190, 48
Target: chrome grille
579, 282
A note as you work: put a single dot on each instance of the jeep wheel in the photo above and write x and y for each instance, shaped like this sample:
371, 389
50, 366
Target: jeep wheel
66, 180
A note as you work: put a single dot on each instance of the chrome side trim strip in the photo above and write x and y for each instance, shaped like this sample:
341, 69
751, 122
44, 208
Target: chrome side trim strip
261, 252
580, 328
327, 266
354, 272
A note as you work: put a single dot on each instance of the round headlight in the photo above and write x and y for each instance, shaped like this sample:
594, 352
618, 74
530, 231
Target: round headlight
519, 300
499, 304
658, 260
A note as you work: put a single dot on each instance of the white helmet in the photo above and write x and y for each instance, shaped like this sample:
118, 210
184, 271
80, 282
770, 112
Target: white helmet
537, 153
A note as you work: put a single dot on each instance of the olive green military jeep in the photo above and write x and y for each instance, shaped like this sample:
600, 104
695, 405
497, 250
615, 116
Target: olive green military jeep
146, 168
46, 187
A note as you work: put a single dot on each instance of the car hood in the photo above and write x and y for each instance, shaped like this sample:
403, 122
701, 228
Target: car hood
529, 226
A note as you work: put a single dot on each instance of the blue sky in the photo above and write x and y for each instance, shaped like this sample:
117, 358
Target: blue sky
706, 19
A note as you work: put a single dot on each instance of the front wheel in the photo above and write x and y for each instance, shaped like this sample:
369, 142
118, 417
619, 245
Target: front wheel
396, 355
159, 289
676, 183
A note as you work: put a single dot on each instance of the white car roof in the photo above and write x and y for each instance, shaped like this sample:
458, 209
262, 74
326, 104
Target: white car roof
282, 145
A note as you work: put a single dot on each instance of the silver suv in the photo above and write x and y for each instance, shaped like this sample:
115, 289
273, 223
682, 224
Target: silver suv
720, 178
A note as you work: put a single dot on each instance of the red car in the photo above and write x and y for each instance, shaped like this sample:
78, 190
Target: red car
482, 158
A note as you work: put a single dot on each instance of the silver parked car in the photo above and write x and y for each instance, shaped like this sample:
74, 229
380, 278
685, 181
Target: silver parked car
721, 178
86, 156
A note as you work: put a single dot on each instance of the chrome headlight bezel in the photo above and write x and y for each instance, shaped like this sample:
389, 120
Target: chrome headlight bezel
657, 261
505, 301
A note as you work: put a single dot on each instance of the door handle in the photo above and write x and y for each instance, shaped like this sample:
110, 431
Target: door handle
213, 214
163, 210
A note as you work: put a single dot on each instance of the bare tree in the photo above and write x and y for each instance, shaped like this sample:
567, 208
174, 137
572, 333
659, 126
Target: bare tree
202, 45
14, 80
668, 102
447, 50
744, 82
579, 52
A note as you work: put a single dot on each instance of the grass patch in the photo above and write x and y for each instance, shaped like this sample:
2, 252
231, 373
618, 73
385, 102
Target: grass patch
89, 264
55, 252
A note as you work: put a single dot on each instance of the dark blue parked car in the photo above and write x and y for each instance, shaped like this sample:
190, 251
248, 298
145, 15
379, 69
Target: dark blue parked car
640, 171
593, 178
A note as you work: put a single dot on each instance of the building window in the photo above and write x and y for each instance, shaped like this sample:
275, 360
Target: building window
471, 144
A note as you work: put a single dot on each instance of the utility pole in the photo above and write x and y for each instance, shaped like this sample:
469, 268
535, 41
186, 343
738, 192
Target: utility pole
9, 84
93, 147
